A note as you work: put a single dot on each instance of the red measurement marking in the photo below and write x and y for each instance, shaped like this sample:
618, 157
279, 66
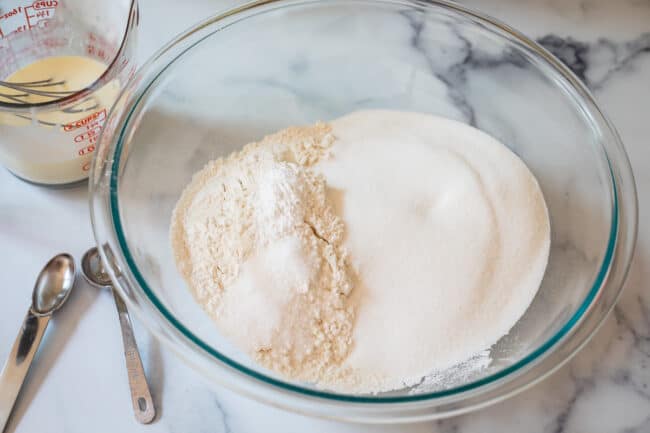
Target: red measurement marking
42, 4
131, 73
40, 12
97, 46
87, 132
98, 116
11, 13
12, 21
90, 135
55, 42
86, 150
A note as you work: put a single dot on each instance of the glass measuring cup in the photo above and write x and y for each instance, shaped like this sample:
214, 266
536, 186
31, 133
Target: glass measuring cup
62, 64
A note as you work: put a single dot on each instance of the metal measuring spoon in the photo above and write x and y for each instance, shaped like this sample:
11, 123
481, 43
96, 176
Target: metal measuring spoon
51, 290
94, 272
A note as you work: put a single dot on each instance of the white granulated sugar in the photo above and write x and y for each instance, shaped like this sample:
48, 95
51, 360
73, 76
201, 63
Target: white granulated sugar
366, 254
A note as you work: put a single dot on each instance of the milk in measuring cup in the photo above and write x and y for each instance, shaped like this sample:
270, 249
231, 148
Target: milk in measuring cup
55, 147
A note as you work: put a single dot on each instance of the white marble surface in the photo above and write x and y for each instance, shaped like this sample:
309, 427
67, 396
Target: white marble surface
78, 383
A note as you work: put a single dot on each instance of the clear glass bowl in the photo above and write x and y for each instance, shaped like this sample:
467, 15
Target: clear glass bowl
259, 68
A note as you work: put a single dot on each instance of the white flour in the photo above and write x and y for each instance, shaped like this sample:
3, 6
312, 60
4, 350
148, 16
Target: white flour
260, 248
363, 259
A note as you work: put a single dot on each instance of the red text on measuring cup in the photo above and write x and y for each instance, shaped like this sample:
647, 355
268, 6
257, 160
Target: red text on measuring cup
23, 18
86, 131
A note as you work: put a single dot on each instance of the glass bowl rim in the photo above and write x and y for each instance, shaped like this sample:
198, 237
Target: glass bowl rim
519, 366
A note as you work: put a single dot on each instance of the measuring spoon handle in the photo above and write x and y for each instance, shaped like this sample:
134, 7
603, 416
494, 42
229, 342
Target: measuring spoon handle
17, 365
143, 405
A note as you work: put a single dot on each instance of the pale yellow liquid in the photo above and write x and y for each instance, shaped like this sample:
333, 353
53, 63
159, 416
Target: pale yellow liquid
37, 145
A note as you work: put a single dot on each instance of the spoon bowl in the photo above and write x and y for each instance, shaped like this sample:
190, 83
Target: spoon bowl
53, 285
93, 269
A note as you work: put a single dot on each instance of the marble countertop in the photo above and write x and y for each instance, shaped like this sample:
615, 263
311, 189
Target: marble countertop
78, 382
